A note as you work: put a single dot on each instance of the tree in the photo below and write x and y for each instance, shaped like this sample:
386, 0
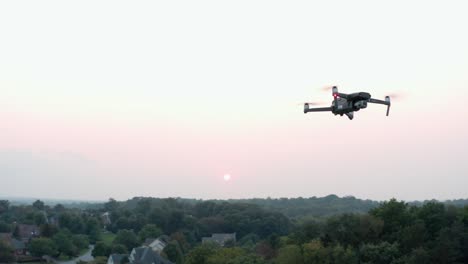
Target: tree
119, 249
111, 205
101, 249
4, 205
224, 255
149, 231
59, 208
382, 253
447, 246
42, 246
6, 253
395, 216
200, 254
48, 230
434, 217
63, 240
126, 238
39, 205
290, 254
341, 255
418, 256
413, 236
93, 229
40, 218
315, 253
80, 241
72, 222
174, 252
4, 227
307, 231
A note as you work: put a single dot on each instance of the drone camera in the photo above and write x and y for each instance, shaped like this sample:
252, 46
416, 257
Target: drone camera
361, 104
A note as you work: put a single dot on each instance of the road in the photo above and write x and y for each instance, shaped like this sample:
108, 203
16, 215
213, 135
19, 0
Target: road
85, 257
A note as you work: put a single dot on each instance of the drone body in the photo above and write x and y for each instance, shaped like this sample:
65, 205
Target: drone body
347, 104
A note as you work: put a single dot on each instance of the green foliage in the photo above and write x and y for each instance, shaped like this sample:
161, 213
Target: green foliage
108, 238
174, 252
200, 254
392, 232
224, 255
93, 229
340, 254
64, 242
4, 227
72, 222
126, 238
80, 241
39, 205
101, 249
149, 231
39, 247
119, 249
417, 256
315, 253
384, 253
6, 253
290, 254
48, 230
395, 216
4, 206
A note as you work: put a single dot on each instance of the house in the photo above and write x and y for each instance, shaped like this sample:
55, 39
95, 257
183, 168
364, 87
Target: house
18, 246
220, 239
26, 232
145, 255
117, 259
157, 245
105, 219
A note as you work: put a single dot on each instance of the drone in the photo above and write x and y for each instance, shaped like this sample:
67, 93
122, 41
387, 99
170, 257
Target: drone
347, 104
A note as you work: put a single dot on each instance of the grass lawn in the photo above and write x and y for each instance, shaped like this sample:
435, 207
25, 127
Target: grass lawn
62, 257
108, 238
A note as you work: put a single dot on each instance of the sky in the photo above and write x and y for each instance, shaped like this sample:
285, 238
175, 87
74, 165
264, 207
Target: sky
103, 99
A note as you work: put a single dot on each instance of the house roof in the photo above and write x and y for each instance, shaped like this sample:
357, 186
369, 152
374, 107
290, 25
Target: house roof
18, 244
26, 232
145, 255
220, 239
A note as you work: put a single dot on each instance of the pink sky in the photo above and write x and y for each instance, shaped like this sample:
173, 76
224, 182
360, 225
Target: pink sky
113, 99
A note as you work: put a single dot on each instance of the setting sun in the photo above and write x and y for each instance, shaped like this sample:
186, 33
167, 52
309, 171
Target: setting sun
227, 177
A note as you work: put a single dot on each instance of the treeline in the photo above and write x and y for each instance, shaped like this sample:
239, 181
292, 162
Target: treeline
314, 206
392, 232
196, 220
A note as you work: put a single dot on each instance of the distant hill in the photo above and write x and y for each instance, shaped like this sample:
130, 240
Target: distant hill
314, 206
296, 208
291, 207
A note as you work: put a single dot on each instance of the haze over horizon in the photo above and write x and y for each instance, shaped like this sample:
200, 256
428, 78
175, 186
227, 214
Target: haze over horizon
112, 99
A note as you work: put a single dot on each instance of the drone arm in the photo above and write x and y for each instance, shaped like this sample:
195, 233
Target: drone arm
377, 101
386, 102
319, 109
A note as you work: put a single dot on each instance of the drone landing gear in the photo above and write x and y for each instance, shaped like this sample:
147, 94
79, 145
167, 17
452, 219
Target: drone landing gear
350, 115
